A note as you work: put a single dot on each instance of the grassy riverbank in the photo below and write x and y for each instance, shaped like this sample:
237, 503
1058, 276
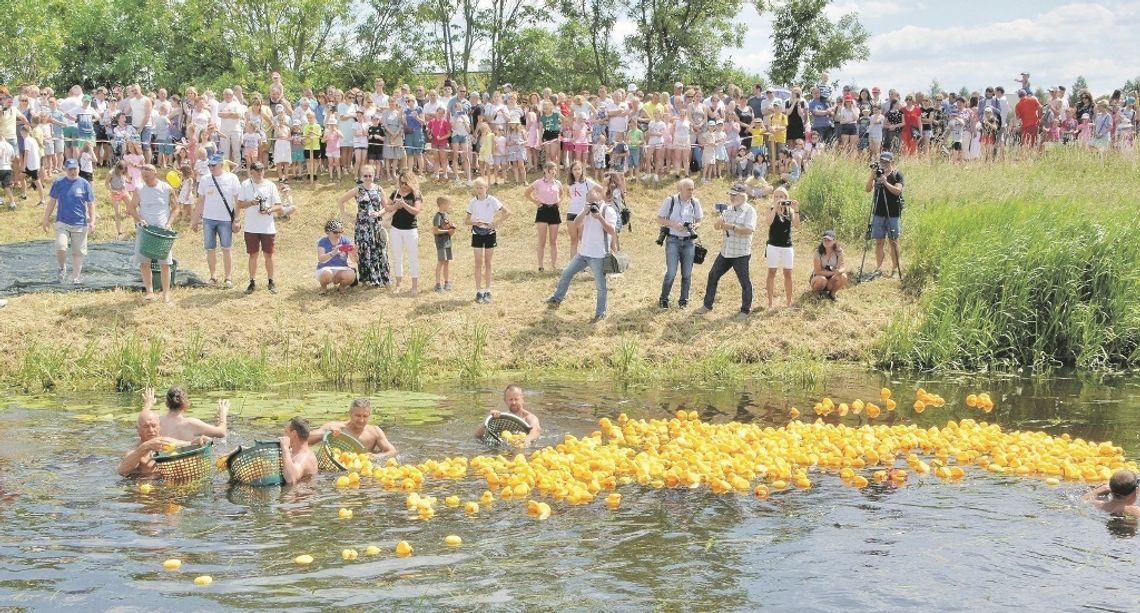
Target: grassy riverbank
1010, 264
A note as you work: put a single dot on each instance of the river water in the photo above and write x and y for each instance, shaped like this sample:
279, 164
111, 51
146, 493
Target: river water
75, 536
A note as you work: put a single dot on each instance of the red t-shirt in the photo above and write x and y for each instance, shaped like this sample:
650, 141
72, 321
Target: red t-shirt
1026, 111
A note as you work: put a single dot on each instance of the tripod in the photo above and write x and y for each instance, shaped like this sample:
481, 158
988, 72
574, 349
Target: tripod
867, 243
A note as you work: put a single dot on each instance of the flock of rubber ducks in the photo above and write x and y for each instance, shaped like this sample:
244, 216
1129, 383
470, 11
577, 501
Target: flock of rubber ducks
736, 458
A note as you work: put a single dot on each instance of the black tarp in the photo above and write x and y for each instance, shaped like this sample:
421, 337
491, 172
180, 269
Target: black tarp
31, 267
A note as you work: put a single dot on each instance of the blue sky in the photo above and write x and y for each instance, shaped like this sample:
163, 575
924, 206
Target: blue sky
978, 42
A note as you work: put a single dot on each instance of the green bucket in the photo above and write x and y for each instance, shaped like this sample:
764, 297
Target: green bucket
155, 242
156, 273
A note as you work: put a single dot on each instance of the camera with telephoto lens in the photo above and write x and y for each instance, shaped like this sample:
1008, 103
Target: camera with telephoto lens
662, 235
262, 204
877, 167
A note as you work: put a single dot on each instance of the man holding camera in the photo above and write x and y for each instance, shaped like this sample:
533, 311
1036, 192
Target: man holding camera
738, 222
597, 226
260, 200
679, 217
887, 185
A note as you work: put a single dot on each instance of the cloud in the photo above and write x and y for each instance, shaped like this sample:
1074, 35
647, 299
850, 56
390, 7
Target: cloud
880, 8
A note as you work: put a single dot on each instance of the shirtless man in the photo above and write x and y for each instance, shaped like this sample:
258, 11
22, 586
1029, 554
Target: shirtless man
297, 460
1122, 501
372, 437
513, 398
175, 424
138, 461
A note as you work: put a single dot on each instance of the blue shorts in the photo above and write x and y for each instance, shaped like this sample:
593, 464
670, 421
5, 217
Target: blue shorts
458, 139
144, 138
414, 142
882, 227
634, 157
214, 231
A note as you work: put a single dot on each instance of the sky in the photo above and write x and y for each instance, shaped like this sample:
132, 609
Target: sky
975, 43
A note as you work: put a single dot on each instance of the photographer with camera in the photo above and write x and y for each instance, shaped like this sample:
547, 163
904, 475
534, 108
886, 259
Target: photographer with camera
597, 224
886, 212
679, 217
260, 200
782, 217
829, 273
738, 222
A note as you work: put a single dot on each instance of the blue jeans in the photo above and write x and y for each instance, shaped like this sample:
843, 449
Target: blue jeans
678, 251
577, 265
214, 232
721, 266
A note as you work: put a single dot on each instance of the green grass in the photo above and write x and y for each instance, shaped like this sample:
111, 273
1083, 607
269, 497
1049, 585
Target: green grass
1013, 265
471, 360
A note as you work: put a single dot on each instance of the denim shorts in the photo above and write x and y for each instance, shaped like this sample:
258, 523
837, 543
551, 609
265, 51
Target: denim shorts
882, 227
214, 231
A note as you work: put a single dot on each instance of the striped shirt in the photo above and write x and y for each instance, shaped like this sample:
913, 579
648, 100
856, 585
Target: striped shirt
738, 245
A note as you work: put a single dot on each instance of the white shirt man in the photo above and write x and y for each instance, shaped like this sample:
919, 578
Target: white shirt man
260, 199
230, 112
433, 103
618, 112
597, 224
379, 98
218, 194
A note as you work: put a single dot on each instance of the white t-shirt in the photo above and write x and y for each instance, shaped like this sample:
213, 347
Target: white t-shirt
255, 221
86, 162
379, 101
31, 153
431, 107
593, 243
6, 155
483, 211
228, 125
578, 193
214, 209
621, 122
71, 105
154, 203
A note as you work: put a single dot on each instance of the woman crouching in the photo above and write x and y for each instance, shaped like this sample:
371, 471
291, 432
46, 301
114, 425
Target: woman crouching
830, 272
334, 251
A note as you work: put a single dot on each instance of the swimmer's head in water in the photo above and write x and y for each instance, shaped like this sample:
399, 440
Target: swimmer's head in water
513, 397
1122, 484
359, 412
176, 399
300, 425
147, 425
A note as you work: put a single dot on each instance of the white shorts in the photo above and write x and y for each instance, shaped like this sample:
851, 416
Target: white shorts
332, 269
780, 257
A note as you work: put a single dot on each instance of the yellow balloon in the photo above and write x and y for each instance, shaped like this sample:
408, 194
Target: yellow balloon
173, 179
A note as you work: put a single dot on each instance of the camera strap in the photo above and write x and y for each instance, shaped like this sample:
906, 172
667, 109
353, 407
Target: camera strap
223, 197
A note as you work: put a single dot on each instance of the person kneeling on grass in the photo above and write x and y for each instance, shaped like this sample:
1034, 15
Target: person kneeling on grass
298, 461
738, 222
597, 224
1122, 499
334, 251
830, 272
372, 437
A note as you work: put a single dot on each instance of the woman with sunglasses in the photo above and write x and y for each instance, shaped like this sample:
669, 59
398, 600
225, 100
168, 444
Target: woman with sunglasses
405, 204
371, 241
334, 252
829, 274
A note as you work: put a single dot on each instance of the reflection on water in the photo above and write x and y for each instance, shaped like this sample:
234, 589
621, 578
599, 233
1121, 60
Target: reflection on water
74, 535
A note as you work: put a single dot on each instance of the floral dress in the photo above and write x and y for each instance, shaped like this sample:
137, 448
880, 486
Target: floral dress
371, 241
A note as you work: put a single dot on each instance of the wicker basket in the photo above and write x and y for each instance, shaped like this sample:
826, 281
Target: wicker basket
185, 464
155, 242
333, 443
505, 422
258, 465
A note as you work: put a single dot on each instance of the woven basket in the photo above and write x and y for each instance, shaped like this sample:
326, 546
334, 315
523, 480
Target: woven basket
330, 445
258, 465
155, 242
184, 464
505, 422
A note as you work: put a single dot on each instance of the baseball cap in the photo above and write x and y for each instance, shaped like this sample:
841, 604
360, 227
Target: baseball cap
215, 159
86, 98
848, 97
887, 156
1021, 93
70, 163
632, 87
1052, 88
738, 189
829, 235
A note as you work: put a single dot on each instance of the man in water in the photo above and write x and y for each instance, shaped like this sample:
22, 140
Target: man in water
138, 460
372, 437
175, 424
297, 460
513, 398
1122, 495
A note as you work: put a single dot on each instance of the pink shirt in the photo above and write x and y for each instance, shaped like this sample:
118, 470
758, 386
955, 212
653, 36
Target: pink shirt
548, 192
439, 129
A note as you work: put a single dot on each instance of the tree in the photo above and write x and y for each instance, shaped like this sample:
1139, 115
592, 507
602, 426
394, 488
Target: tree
1078, 86
455, 32
33, 38
935, 88
805, 42
593, 20
682, 39
1131, 86
502, 20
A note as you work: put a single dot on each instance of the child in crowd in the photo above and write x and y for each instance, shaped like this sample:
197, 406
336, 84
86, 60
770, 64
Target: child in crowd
600, 150
1084, 130
32, 154
460, 147
7, 155
439, 128
116, 182
359, 143
282, 151
778, 128
288, 207
657, 153
634, 138
516, 145
296, 148
1069, 126
87, 161
120, 135
486, 140
163, 137
332, 139
875, 124
443, 229
376, 145
619, 153
720, 140
311, 134
707, 142
499, 166
134, 159
251, 142
759, 170
483, 218
580, 132
186, 191
743, 165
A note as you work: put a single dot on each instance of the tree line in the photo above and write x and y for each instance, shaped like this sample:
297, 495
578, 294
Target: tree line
563, 44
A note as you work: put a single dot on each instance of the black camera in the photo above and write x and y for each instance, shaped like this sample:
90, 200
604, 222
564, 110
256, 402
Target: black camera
829, 268
877, 167
689, 227
594, 207
662, 235
262, 204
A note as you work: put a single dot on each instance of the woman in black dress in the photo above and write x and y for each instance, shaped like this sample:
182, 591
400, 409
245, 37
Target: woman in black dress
370, 238
797, 109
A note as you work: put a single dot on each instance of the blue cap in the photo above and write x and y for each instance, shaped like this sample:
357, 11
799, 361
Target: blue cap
215, 159
70, 163
887, 156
